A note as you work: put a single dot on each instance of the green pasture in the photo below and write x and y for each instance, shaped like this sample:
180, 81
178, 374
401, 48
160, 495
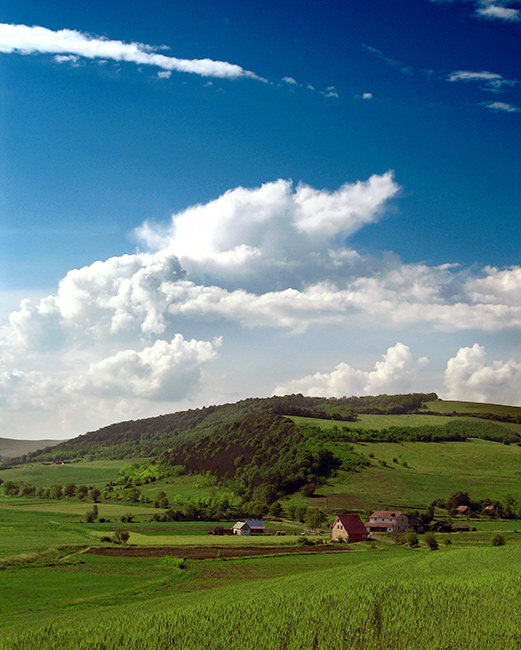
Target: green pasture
376, 422
447, 406
387, 597
425, 471
96, 473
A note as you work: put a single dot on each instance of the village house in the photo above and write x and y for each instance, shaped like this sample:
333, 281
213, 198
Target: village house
349, 527
241, 528
463, 510
387, 521
256, 525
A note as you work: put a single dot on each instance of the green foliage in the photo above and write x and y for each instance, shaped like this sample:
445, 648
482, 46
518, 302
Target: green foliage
411, 539
176, 562
498, 540
120, 536
431, 541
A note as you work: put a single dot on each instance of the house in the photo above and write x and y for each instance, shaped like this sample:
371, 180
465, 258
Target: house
348, 527
256, 525
463, 510
441, 527
415, 524
241, 528
387, 521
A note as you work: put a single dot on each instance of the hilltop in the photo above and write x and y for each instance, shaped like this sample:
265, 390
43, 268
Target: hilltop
355, 451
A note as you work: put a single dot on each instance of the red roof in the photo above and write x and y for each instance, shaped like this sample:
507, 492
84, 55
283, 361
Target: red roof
352, 524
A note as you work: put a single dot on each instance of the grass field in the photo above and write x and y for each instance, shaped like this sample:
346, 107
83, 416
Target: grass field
371, 598
97, 473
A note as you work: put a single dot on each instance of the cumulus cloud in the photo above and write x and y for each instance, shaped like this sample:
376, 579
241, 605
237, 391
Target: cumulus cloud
469, 376
110, 339
393, 373
165, 371
24, 39
276, 228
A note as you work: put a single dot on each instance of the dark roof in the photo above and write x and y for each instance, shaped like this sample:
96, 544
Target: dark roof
352, 524
255, 523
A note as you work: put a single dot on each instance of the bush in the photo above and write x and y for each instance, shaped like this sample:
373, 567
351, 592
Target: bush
431, 541
498, 540
121, 536
411, 539
177, 562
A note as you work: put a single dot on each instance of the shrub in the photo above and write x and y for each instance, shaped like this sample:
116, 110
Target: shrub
431, 541
411, 539
498, 540
121, 536
177, 562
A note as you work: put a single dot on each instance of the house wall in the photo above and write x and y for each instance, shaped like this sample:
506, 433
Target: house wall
338, 531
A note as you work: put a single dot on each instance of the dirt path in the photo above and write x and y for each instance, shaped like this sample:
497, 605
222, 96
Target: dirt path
210, 552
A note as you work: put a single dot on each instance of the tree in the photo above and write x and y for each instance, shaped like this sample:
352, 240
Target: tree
94, 494
498, 540
121, 536
56, 492
456, 499
431, 541
411, 539
69, 490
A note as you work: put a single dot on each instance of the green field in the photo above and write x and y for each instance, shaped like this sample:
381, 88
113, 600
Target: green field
425, 472
382, 597
97, 473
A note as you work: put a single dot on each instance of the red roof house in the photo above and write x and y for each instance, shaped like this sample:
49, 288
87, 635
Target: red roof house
348, 527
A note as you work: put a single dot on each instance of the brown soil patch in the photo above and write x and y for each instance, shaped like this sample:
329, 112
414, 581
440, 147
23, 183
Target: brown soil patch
209, 552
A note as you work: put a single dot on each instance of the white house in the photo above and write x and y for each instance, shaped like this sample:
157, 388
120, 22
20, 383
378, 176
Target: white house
241, 528
387, 521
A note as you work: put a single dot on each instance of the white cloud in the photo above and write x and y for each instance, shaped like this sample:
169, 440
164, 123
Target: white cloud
468, 376
491, 9
274, 229
290, 81
367, 96
502, 107
491, 81
331, 91
164, 74
496, 11
29, 40
165, 371
67, 58
109, 340
394, 373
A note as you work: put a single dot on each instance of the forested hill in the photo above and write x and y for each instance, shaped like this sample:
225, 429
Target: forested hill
151, 436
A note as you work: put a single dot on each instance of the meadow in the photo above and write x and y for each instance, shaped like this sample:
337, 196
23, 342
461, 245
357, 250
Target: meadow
382, 597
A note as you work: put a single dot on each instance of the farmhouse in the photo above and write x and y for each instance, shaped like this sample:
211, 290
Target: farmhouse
387, 521
241, 528
256, 525
348, 527
463, 510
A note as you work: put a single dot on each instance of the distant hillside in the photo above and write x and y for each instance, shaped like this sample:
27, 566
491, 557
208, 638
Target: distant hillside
12, 448
151, 436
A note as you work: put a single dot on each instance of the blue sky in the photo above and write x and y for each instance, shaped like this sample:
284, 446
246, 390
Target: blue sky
206, 201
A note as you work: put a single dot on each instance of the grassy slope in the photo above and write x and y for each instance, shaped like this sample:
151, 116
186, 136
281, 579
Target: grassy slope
486, 470
12, 448
97, 473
